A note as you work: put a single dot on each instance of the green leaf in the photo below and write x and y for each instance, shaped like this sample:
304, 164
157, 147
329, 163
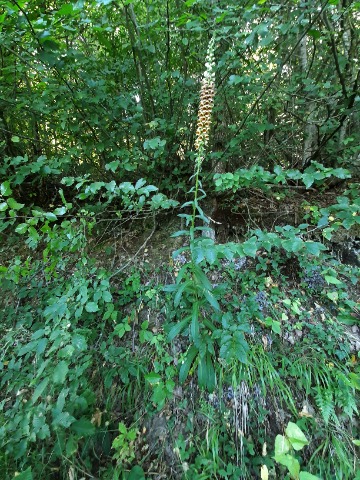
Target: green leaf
186, 365
180, 233
39, 389
314, 33
314, 248
60, 211
295, 436
250, 247
14, 204
234, 346
25, 475
21, 228
333, 280
50, 216
202, 278
307, 476
291, 463
282, 446
60, 372
91, 307
5, 189
66, 9
180, 292
308, 179
177, 329
212, 300
194, 326
106, 296
292, 245
3, 206
15, 139
153, 378
152, 144
71, 446
62, 419
136, 473
206, 373
334, 296
198, 254
210, 254
83, 427
112, 165
354, 380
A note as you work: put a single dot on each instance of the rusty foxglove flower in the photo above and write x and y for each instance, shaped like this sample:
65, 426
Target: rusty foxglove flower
206, 100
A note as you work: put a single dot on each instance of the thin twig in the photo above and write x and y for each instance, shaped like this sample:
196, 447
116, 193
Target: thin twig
138, 251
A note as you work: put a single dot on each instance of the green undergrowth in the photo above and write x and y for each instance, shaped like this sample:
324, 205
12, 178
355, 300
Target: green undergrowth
91, 362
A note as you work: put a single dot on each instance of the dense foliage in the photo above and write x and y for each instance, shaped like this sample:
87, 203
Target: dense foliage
179, 212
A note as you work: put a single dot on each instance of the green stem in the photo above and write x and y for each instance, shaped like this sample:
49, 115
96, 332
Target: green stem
199, 160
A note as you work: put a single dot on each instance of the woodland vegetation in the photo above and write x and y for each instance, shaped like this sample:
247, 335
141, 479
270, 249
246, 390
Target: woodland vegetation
179, 239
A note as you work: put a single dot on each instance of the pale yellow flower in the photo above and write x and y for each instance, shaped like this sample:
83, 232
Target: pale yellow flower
207, 95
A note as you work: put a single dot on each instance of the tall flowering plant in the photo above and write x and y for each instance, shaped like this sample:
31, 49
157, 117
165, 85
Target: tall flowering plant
197, 310
194, 298
207, 96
